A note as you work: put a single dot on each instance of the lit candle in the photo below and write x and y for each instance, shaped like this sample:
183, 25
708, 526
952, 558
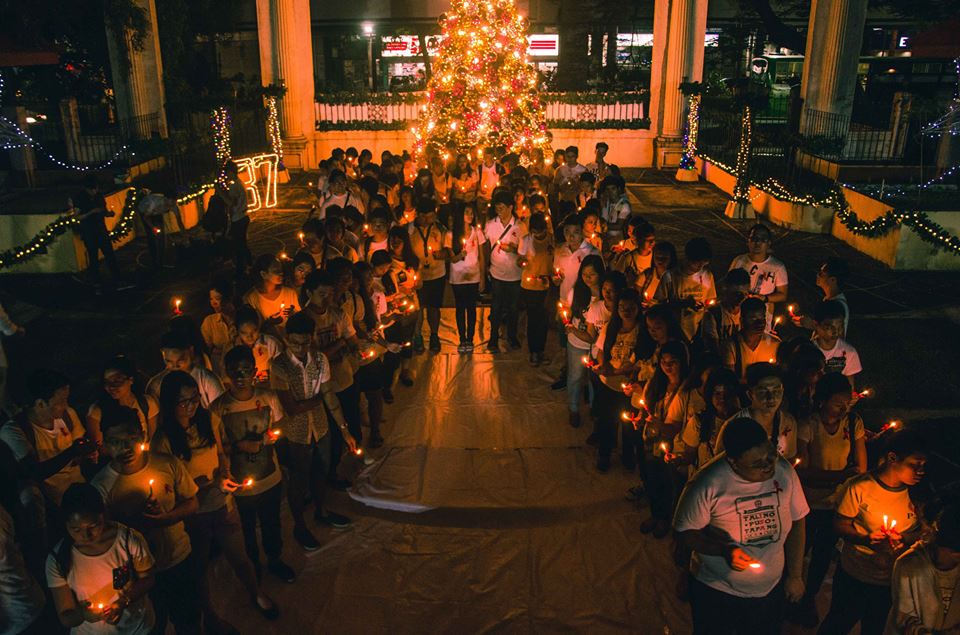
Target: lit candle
892, 425
712, 302
156, 230
866, 392
144, 447
756, 566
300, 236
248, 483
359, 452
275, 433
796, 462
772, 360
100, 606
177, 303
284, 256
150, 490
366, 227
556, 271
790, 310
464, 241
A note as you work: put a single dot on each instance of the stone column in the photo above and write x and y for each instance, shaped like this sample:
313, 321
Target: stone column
286, 58
679, 27
138, 81
834, 39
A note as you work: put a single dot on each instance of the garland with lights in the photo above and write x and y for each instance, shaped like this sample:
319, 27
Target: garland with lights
482, 91
557, 124
13, 137
573, 98
689, 159
56, 228
220, 123
741, 191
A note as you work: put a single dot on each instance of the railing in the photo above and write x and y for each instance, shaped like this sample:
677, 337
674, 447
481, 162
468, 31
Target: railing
832, 136
399, 111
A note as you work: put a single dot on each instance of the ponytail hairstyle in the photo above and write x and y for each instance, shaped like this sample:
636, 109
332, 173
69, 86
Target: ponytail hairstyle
169, 427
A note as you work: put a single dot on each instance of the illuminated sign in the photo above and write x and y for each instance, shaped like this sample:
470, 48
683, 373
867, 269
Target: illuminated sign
903, 42
538, 45
646, 39
248, 168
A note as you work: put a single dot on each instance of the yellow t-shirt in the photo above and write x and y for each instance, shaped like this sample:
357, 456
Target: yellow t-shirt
866, 500
47, 445
203, 465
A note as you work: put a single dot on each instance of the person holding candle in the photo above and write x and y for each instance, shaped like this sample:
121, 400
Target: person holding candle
567, 258
465, 180
721, 322
663, 259
752, 343
803, 367
249, 415
618, 343
219, 329
338, 194
369, 374
503, 233
466, 271
877, 521
301, 266
536, 258
401, 283
179, 355
742, 516
47, 438
489, 173
188, 432
406, 211
926, 581
615, 208
634, 254
313, 241
153, 492
100, 573
272, 300
431, 244
661, 426
593, 228
121, 387
566, 178
830, 279
263, 346
722, 396
832, 448
689, 287
579, 342
303, 381
377, 236
768, 276
765, 390
840, 355
336, 337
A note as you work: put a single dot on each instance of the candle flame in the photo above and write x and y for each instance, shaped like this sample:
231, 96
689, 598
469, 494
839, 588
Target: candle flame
248, 482
275, 433
150, 482
359, 452
790, 309
626, 416
143, 447
663, 446
755, 565
796, 462
772, 360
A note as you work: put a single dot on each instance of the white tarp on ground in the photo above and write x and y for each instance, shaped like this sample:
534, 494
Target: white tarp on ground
522, 534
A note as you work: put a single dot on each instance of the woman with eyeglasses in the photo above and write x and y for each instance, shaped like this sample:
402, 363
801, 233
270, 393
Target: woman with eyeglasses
742, 516
186, 430
122, 388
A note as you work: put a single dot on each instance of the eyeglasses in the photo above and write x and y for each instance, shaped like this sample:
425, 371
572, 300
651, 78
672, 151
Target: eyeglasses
115, 383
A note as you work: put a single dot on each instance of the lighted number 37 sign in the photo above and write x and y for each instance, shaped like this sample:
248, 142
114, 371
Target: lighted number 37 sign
249, 169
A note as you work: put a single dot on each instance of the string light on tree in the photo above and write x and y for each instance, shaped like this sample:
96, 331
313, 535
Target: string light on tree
482, 91
220, 122
273, 127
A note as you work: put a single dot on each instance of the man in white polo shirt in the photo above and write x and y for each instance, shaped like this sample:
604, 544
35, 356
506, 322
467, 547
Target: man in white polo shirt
503, 235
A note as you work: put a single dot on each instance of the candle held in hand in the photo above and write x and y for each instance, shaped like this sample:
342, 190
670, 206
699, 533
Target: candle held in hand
756, 566
177, 303
248, 483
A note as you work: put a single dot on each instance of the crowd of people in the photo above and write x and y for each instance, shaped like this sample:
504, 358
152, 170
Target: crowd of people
747, 448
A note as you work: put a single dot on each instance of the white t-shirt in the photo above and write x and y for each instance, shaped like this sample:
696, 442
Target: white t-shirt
766, 350
467, 271
268, 308
566, 181
489, 180
21, 599
842, 299
757, 516
504, 265
93, 579
374, 247
426, 243
578, 321
842, 358
616, 211
47, 445
765, 277
343, 200
569, 264
209, 384
675, 286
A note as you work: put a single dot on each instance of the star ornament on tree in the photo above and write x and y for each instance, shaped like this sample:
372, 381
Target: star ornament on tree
482, 91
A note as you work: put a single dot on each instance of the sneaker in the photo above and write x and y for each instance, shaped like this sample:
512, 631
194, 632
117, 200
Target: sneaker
387, 396
418, 343
514, 344
469, 346
603, 464
375, 441
533, 360
367, 459
333, 519
406, 378
574, 420
560, 384
434, 344
305, 539
282, 570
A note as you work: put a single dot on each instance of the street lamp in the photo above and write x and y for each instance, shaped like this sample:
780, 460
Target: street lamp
368, 32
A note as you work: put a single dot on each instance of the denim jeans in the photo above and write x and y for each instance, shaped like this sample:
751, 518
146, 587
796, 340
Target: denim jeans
576, 377
504, 309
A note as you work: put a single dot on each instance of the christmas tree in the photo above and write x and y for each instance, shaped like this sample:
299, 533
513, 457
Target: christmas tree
482, 91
